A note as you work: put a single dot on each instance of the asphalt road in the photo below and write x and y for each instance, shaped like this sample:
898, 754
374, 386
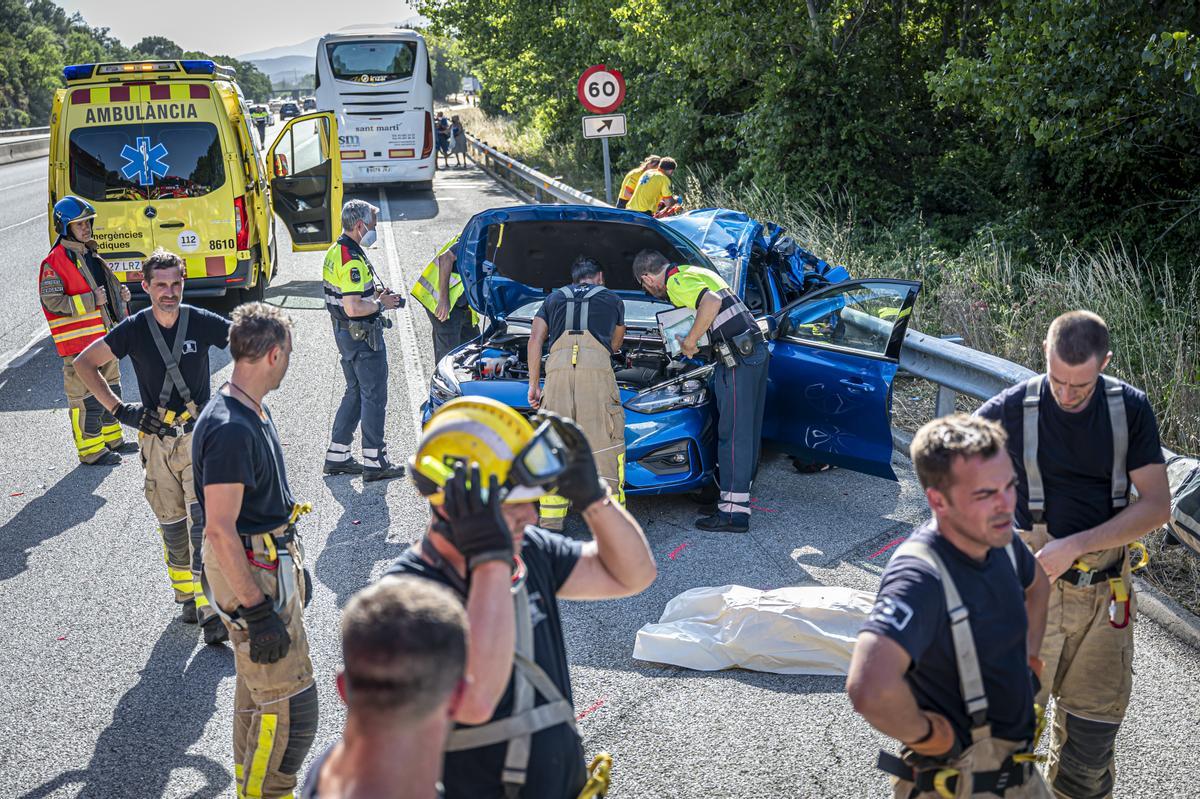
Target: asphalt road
106, 694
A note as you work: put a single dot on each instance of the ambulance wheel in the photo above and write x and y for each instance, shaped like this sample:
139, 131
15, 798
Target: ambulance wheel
257, 292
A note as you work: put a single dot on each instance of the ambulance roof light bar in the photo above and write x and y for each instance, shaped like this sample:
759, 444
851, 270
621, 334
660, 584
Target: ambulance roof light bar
191, 67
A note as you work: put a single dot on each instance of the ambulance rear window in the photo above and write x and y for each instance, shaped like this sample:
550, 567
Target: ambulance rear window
146, 162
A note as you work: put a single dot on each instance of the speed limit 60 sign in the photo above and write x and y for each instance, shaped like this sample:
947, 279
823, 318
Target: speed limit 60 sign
601, 89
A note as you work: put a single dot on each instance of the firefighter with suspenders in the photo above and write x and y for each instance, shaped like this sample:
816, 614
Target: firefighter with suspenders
585, 324
174, 379
1078, 439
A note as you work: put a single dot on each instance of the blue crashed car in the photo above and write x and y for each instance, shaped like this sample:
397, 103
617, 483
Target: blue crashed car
835, 342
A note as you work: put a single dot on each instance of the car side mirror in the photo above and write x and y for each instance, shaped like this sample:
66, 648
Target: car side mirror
769, 326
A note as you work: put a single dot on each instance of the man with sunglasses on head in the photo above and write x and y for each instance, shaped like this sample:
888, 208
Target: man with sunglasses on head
483, 468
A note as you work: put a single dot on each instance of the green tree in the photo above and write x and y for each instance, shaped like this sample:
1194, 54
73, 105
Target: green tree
158, 47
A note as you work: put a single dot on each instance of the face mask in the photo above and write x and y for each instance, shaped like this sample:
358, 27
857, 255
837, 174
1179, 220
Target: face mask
368, 239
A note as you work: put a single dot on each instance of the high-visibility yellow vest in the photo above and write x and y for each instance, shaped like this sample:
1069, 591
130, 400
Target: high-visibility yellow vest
425, 290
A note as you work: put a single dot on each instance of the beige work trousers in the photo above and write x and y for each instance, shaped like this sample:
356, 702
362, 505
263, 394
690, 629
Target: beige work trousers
580, 383
92, 427
986, 755
262, 710
1089, 662
172, 496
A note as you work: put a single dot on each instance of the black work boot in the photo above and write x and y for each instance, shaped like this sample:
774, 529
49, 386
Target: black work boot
387, 472
126, 448
724, 523
109, 458
214, 631
348, 466
188, 613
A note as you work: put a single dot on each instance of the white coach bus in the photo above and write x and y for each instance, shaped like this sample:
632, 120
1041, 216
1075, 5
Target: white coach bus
377, 79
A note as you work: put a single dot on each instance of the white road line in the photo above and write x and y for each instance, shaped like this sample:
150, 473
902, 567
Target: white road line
414, 376
24, 354
24, 222
25, 183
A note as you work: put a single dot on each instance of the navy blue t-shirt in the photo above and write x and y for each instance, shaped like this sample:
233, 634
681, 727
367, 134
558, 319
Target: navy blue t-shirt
132, 338
605, 312
313, 779
231, 444
911, 610
556, 767
1075, 454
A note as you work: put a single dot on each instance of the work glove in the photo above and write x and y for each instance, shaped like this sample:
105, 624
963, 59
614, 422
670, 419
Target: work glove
269, 639
579, 482
939, 743
135, 415
474, 524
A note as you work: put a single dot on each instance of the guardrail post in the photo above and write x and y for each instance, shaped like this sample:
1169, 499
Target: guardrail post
946, 401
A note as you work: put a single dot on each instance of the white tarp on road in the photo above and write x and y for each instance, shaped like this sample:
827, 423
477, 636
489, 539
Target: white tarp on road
805, 630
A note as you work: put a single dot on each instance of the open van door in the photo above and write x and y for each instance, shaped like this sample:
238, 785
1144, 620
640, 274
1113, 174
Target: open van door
305, 165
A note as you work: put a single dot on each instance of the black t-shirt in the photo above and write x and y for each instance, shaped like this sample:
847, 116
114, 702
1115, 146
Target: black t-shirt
605, 312
911, 610
556, 767
231, 444
1075, 454
132, 338
309, 791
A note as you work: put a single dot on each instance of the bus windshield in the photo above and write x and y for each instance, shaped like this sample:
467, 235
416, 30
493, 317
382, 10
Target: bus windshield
372, 61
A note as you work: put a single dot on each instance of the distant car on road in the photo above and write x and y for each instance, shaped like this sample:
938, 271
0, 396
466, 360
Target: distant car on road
288, 110
835, 341
310, 103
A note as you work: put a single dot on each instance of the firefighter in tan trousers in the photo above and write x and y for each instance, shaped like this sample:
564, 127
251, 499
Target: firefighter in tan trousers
168, 345
82, 300
253, 560
1078, 439
584, 324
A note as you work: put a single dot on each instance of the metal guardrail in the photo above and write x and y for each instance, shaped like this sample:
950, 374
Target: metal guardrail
13, 132
541, 187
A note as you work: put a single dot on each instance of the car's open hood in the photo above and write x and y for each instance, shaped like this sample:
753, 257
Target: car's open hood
509, 257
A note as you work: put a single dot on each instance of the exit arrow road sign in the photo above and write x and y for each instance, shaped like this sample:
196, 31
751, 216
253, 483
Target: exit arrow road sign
603, 127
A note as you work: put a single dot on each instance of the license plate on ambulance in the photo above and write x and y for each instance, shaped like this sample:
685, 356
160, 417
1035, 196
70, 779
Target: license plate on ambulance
125, 266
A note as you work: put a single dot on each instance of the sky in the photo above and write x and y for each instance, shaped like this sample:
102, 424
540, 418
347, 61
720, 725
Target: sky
230, 27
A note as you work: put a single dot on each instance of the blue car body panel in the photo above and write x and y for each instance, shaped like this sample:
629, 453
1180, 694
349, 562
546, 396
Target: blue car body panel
821, 404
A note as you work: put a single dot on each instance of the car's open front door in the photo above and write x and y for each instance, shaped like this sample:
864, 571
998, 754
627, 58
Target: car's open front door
829, 390
306, 180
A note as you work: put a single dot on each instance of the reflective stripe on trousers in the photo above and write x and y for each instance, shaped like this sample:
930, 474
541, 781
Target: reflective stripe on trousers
93, 429
740, 394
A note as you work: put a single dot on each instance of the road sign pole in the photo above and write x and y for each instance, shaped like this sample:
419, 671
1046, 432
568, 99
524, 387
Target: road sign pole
607, 173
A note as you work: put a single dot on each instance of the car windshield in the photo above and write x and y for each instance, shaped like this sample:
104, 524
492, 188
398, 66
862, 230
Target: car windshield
146, 162
639, 312
372, 62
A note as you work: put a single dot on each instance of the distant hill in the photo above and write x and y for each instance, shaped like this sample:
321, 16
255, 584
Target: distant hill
307, 49
288, 67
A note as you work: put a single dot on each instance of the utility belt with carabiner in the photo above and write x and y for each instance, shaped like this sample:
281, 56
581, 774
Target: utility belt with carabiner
184, 421
270, 552
1013, 772
1083, 576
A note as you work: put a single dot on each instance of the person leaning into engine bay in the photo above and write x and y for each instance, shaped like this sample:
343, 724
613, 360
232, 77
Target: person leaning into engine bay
584, 324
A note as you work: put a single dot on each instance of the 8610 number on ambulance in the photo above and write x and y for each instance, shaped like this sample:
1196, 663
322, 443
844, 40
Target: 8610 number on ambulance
377, 79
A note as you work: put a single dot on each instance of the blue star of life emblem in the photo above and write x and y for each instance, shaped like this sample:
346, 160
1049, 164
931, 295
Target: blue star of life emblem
145, 162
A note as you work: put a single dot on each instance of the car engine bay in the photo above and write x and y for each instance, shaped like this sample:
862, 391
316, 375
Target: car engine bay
641, 363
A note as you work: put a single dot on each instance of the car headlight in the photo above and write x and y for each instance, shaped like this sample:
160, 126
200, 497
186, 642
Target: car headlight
688, 393
443, 386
